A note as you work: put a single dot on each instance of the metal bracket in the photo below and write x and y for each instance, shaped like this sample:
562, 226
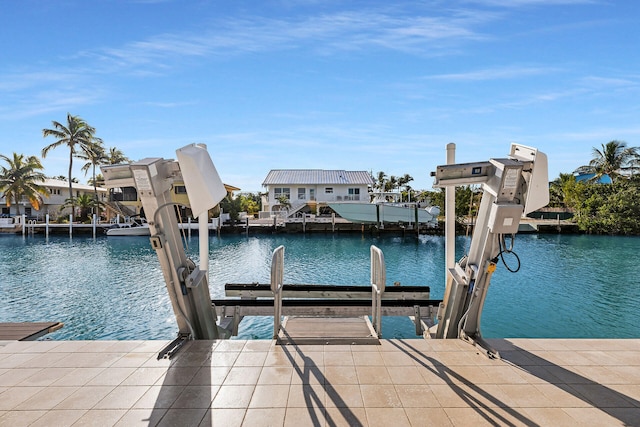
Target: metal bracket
174, 346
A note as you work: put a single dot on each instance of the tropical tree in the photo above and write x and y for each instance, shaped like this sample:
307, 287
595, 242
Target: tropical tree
84, 202
250, 202
22, 178
95, 155
231, 205
380, 181
77, 135
562, 191
614, 157
284, 202
115, 156
99, 180
404, 181
391, 184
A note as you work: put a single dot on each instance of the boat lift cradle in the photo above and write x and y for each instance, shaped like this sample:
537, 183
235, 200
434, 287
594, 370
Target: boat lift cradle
512, 187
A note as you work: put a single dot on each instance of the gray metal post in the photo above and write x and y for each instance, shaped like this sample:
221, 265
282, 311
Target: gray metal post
450, 215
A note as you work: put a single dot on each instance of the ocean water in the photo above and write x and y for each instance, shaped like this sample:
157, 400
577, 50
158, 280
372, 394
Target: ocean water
569, 286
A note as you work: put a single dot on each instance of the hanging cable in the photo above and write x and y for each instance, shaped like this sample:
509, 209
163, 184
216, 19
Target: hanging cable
509, 250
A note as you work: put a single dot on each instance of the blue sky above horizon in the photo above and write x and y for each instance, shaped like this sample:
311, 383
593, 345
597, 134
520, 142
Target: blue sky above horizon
360, 85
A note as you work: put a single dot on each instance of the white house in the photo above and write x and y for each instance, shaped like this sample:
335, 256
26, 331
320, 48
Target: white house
58, 192
310, 189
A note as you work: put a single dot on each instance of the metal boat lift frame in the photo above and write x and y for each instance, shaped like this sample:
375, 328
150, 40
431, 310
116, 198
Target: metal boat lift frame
512, 186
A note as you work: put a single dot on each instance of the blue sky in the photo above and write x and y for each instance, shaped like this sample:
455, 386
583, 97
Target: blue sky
357, 85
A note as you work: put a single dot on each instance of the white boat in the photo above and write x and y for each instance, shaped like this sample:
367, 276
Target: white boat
9, 225
135, 227
381, 211
139, 227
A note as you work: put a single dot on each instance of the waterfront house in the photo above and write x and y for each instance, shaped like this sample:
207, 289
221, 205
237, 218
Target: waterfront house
125, 201
309, 190
58, 193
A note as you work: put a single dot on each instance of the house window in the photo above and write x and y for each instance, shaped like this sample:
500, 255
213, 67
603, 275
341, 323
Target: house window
354, 194
302, 193
279, 192
312, 194
328, 190
180, 189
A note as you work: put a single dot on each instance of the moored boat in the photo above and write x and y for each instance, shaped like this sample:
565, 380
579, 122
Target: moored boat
381, 211
135, 227
9, 225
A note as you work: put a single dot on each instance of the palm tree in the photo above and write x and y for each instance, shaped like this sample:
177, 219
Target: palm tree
614, 157
116, 156
95, 155
21, 179
76, 133
84, 202
391, 184
99, 180
404, 181
382, 177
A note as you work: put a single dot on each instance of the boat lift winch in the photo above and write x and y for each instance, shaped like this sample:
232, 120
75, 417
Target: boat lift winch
513, 187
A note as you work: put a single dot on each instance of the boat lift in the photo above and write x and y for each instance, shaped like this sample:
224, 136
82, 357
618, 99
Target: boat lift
512, 187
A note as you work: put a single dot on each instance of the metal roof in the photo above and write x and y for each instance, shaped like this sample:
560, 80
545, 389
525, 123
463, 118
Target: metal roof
317, 176
58, 183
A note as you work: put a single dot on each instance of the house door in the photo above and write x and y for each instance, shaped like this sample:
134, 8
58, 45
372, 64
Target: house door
312, 194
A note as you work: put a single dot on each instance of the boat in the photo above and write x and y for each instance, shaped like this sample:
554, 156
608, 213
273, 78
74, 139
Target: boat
134, 227
381, 210
139, 227
9, 225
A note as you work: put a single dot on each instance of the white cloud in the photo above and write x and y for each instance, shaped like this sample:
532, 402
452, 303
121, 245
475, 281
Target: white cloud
507, 72
327, 33
521, 3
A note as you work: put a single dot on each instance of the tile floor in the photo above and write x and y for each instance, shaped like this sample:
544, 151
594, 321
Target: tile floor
538, 382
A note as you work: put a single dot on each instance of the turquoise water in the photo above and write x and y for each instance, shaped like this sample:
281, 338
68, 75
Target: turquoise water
568, 286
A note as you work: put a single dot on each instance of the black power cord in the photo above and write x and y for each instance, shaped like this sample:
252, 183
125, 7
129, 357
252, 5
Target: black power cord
509, 250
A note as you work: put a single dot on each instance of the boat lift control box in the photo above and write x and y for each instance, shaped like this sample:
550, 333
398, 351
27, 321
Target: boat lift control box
504, 218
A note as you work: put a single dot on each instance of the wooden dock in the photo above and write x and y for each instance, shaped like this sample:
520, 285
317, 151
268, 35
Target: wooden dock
27, 331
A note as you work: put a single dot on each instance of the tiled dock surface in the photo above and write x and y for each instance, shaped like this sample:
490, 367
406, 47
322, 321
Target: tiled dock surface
254, 383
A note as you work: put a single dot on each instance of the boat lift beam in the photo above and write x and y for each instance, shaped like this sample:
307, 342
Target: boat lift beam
512, 187
154, 180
